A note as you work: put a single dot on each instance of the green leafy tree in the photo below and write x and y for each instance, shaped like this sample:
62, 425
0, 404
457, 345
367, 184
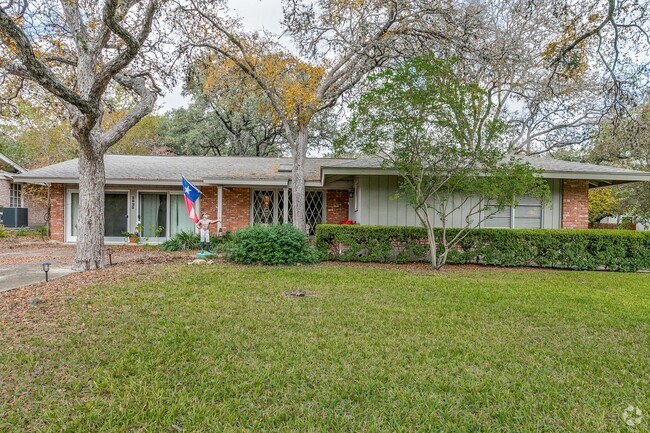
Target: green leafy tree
627, 144
603, 203
422, 120
226, 118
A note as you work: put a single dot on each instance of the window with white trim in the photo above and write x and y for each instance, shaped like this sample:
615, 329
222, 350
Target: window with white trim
526, 215
16, 195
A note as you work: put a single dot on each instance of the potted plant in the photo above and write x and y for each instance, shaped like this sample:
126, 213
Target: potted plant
133, 238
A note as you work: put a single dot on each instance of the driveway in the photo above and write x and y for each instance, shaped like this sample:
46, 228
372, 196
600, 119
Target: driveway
22, 264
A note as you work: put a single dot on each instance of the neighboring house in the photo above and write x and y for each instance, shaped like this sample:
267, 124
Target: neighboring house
618, 220
12, 194
248, 190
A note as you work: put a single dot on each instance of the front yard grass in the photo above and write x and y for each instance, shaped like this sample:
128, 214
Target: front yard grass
222, 348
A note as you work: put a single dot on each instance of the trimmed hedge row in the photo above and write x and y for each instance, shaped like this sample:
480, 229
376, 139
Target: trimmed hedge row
615, 250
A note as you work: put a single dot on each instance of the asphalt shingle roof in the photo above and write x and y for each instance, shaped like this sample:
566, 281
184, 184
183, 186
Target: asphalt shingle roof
543, 163
162, 168
197, 168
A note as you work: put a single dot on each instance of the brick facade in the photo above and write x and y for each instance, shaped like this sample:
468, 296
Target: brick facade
575, 204
57, 219
35, 200
209, 205
5, 190
236, 210
337, 206
37, 209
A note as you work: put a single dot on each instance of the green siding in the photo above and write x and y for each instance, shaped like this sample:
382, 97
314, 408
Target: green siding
377, 206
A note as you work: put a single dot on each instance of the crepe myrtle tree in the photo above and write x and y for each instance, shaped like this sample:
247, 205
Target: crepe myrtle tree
437, 132
82, 52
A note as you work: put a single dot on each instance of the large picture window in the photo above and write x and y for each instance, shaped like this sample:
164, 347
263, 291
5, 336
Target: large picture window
115, 214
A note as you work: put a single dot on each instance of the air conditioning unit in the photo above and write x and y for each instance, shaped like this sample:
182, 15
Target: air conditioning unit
14, 216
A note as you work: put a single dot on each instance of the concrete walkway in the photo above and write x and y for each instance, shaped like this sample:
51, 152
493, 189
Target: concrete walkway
23, 266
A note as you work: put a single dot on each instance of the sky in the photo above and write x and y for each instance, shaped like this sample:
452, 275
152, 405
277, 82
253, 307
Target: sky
255, 15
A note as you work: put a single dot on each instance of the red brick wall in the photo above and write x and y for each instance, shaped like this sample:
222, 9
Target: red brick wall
57, 220
236, 210
575, 204
337, 206
209, 204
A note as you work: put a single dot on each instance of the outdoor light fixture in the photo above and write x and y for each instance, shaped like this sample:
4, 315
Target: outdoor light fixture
109, 251
46, 269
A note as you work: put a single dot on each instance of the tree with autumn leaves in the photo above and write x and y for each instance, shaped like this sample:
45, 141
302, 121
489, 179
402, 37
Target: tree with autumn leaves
337, 44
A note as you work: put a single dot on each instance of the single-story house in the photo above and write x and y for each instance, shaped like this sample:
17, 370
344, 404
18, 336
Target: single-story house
248, 190
13, 197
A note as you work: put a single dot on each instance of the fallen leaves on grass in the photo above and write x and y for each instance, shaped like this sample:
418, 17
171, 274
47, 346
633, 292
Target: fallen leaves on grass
18, 308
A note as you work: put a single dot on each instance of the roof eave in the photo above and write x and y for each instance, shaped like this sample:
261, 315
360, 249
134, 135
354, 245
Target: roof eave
594, 175
14, 164
620, 177
109, 181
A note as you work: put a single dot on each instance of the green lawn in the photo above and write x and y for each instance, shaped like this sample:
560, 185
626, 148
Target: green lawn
211, 349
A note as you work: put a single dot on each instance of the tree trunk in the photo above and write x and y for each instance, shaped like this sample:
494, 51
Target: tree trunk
433, 248
90, 222
423, 215
298, 179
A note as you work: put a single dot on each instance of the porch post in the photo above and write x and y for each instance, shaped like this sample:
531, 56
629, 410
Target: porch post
285, 205
219, 207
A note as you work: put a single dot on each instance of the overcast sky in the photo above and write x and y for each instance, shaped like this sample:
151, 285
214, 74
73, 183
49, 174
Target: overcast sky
256, 15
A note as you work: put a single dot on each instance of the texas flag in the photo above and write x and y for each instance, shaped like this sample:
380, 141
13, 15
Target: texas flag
191, 195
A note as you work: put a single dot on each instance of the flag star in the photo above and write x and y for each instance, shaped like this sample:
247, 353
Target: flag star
187, 190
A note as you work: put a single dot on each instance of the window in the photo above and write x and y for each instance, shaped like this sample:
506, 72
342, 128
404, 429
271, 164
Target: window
178, 219
16, 196
526, 215
153, 215
313, 210
267, 207
356, 194
115, 213
499, 219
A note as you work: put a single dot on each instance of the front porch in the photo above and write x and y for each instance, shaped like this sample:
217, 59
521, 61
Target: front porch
157, 213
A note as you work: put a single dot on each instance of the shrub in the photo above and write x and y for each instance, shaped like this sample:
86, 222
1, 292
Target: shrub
615, 250
3, 232
183, 241
42, 231
21, 232
271, 245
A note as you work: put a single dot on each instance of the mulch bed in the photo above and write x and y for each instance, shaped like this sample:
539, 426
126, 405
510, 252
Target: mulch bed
41, 301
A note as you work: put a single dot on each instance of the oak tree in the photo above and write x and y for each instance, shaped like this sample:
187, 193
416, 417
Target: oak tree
81, 52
